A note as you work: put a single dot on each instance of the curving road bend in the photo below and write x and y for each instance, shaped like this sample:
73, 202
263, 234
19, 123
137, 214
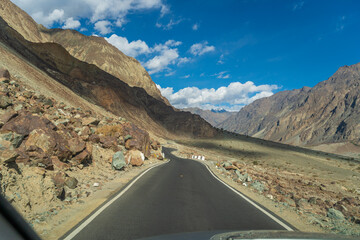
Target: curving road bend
176, 197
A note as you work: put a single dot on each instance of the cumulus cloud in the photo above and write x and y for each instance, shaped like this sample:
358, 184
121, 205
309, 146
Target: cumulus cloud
104, 27
199, 49
132, 49
159, 57
48, 12
56, 15
160, 62
70, 23
232, 97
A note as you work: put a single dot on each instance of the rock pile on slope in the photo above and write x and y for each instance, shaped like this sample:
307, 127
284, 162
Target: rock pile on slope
52, 154
325, 206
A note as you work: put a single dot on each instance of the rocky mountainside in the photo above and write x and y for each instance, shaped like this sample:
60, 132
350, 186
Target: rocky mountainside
89, 49
212, 117
327, 113
53, 155
102, 88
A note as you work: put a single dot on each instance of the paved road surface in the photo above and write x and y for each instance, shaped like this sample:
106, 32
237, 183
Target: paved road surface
179, 196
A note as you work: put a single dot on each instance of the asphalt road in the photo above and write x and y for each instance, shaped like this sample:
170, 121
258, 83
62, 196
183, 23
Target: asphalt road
179, 196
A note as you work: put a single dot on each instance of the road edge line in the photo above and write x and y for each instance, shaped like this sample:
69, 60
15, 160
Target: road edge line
249, 200
91, 217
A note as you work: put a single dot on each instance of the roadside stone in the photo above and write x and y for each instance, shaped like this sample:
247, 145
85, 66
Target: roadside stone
335, 214
12, 139
90, 121
8, 156
76, 145
82, 157
58, 165
226, 164
5, 102
71, 182
118, 161
41, 139
312, 200
135, 158
4, 74
241, 177
127, 137
258, 186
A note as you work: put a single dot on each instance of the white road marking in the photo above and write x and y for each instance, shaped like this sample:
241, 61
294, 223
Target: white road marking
94, 215
250, 201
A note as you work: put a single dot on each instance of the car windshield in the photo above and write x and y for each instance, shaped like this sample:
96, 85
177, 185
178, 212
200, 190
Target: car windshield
165, 119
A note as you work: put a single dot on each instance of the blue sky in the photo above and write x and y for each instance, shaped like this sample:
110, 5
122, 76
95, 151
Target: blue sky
219, 54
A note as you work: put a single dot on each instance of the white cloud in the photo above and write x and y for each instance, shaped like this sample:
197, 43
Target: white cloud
298, 5
199, 49
222, 75
221, 59
231, 97
340, 25
47, 12
161, 55
169, 25
104, 27
186, 76
172, 43
160, 62
56, 15
120, 22
184, 60
195, 27
71, 23
132, 49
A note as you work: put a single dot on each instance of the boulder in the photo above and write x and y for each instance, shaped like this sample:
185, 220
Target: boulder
82, 157
42, 140
335, 214
71, 182
8, 156
26, 122
118, 161
242, 177
108, 141
135, 158
59, 182
7, 116
4, 74
5, 102
155, 145
42, 134
258, 186
90, 121
140, 139
76, 145
13, 138
57, 164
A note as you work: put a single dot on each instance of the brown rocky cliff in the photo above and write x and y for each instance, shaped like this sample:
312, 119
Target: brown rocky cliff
326, 113
90, 49
104, 89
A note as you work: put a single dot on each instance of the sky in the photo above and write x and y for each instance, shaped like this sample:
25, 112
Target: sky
218, 54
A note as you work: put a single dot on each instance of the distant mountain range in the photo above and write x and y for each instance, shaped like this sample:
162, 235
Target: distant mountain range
213, 116
327, 113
